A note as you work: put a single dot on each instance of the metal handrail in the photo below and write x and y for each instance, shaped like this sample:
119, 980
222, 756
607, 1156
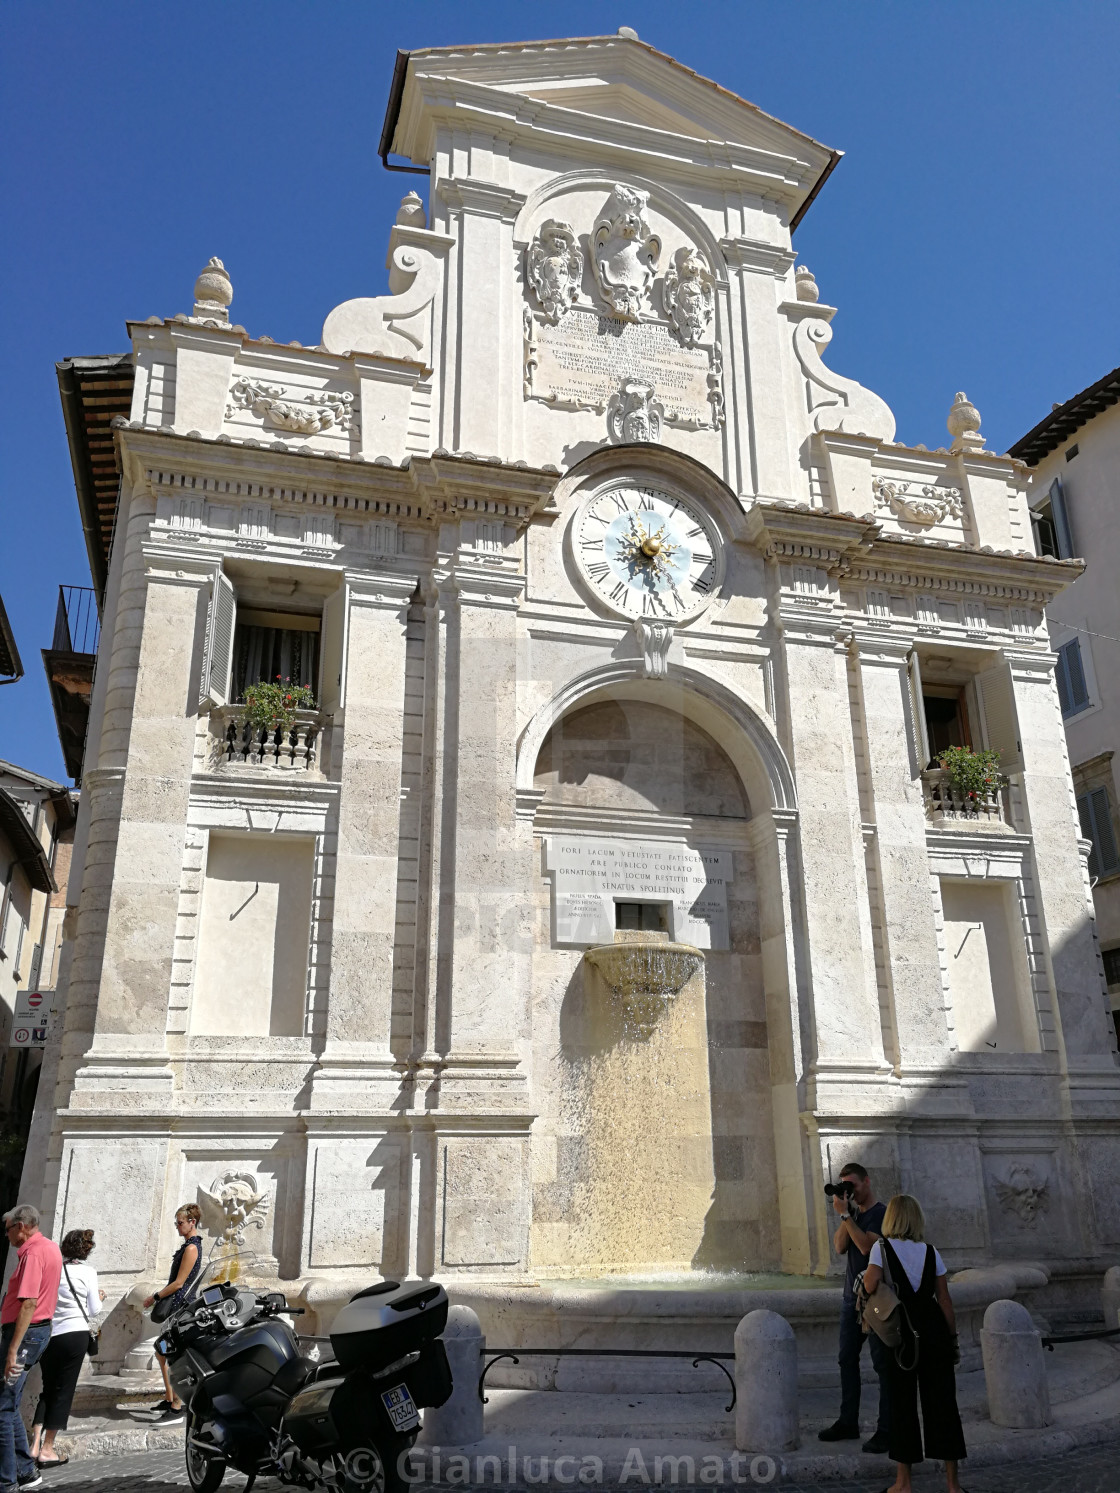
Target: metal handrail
697, 1360
77, 627
1078, 1337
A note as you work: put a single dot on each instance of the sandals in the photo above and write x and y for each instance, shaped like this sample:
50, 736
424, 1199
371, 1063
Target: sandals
44, 1462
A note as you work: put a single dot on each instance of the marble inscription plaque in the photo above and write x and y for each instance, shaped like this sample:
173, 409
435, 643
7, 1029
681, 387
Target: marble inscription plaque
590, 875
579, 362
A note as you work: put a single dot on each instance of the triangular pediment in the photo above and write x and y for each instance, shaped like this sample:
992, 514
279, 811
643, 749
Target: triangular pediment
602, 89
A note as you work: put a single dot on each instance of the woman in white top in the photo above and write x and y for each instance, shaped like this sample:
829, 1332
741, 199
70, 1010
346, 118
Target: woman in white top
917, 1273
79, 1302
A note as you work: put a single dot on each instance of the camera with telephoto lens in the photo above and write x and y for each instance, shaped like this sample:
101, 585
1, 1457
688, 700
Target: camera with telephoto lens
845, 1189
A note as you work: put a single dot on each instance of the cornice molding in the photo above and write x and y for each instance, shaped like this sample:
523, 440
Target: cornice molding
486, 199
758, 256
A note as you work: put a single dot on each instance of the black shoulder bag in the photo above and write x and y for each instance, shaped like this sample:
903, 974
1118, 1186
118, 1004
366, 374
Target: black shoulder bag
93, 1339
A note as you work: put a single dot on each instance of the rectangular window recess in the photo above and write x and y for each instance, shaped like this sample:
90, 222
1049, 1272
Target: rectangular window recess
1072, 452
1111, 959
642, 917
290, 621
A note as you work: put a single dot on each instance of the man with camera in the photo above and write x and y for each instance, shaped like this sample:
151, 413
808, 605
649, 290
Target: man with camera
861, 1224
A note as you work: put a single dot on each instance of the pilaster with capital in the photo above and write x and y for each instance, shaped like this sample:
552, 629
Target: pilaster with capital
1060, 870
128, 1056
899, 845
485, 868
847, 1027
479, 340
754, 268
357, 1066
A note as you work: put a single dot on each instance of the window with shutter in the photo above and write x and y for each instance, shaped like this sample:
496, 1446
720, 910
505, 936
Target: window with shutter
1095, 814
1111, 959
1073, 691
220, 624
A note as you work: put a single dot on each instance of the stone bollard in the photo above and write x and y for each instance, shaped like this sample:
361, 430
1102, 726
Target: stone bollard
1014, 1367
459, 1421
766, 1408
1110, 1296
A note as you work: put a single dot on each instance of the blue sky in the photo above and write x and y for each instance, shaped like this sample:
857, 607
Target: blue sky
968, 237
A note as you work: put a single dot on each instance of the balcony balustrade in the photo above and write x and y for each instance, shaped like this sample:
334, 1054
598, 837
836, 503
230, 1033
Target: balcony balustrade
238, 743
947, 805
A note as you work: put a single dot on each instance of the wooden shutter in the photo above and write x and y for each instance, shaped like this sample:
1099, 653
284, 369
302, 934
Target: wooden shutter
217, 662
1062, 530
1073, 689
332, 653
1001, 721
1095, 814
918, 711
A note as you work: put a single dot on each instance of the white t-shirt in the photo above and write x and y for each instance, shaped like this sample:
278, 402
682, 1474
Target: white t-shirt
912, 1258
68, 1315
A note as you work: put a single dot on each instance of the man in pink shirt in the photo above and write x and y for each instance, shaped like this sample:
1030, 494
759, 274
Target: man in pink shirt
25, 1330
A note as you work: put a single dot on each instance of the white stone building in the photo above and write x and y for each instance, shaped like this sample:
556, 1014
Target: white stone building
1074, 457
629, 623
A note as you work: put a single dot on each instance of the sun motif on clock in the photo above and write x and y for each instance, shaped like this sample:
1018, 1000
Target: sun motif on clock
647, 553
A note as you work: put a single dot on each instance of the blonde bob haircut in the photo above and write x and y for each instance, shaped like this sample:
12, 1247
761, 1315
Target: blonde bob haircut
904, 1219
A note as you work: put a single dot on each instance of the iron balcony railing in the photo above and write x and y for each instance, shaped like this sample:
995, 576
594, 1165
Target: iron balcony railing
77, 627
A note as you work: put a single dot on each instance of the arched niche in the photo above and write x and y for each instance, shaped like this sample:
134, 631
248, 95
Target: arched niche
627, 755
727, 718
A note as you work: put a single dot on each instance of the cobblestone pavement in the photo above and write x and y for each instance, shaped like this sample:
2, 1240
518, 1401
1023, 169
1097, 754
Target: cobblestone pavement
1094, 1470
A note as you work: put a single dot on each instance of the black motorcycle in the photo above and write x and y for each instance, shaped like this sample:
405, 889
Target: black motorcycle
342, 1424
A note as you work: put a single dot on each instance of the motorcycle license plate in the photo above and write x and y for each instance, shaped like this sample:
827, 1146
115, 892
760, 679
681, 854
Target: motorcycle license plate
401, 1408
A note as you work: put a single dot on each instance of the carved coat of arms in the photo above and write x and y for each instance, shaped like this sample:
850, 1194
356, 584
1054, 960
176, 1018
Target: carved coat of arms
233, 1202
688, 295
554, 267
624, 252
633, 414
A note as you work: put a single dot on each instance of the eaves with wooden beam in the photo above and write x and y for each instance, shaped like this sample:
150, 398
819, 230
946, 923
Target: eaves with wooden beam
94, 390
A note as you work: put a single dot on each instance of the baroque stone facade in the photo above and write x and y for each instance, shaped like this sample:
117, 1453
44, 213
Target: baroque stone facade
624, 613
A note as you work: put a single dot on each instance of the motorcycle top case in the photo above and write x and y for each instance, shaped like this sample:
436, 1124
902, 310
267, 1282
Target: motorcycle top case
386, 1321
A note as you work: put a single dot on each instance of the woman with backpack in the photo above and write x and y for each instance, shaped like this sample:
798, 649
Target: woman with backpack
917, 1274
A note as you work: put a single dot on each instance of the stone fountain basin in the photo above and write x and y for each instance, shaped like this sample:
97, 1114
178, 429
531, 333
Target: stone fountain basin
616, 1314
644, 976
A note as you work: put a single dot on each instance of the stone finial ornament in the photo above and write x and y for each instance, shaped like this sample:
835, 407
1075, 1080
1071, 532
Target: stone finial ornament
964, 424
213, 293
624, 252
688, 295
805, 285
411, 212
633, 414
554, 267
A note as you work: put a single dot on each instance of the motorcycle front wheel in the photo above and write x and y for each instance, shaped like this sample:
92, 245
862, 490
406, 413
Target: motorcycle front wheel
204, 1473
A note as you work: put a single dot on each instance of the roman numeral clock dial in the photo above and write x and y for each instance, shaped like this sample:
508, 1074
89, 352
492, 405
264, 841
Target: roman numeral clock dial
646, 553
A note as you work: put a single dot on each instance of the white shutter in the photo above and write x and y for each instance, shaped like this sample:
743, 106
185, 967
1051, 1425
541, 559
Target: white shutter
918, 711
332, 651
217, 662
1001, 721
1061, 520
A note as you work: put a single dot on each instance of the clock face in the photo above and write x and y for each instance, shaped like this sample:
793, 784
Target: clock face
647, 553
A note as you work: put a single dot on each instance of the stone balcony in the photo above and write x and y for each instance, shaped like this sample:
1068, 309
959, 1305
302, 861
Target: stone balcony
235, 743
948, 806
